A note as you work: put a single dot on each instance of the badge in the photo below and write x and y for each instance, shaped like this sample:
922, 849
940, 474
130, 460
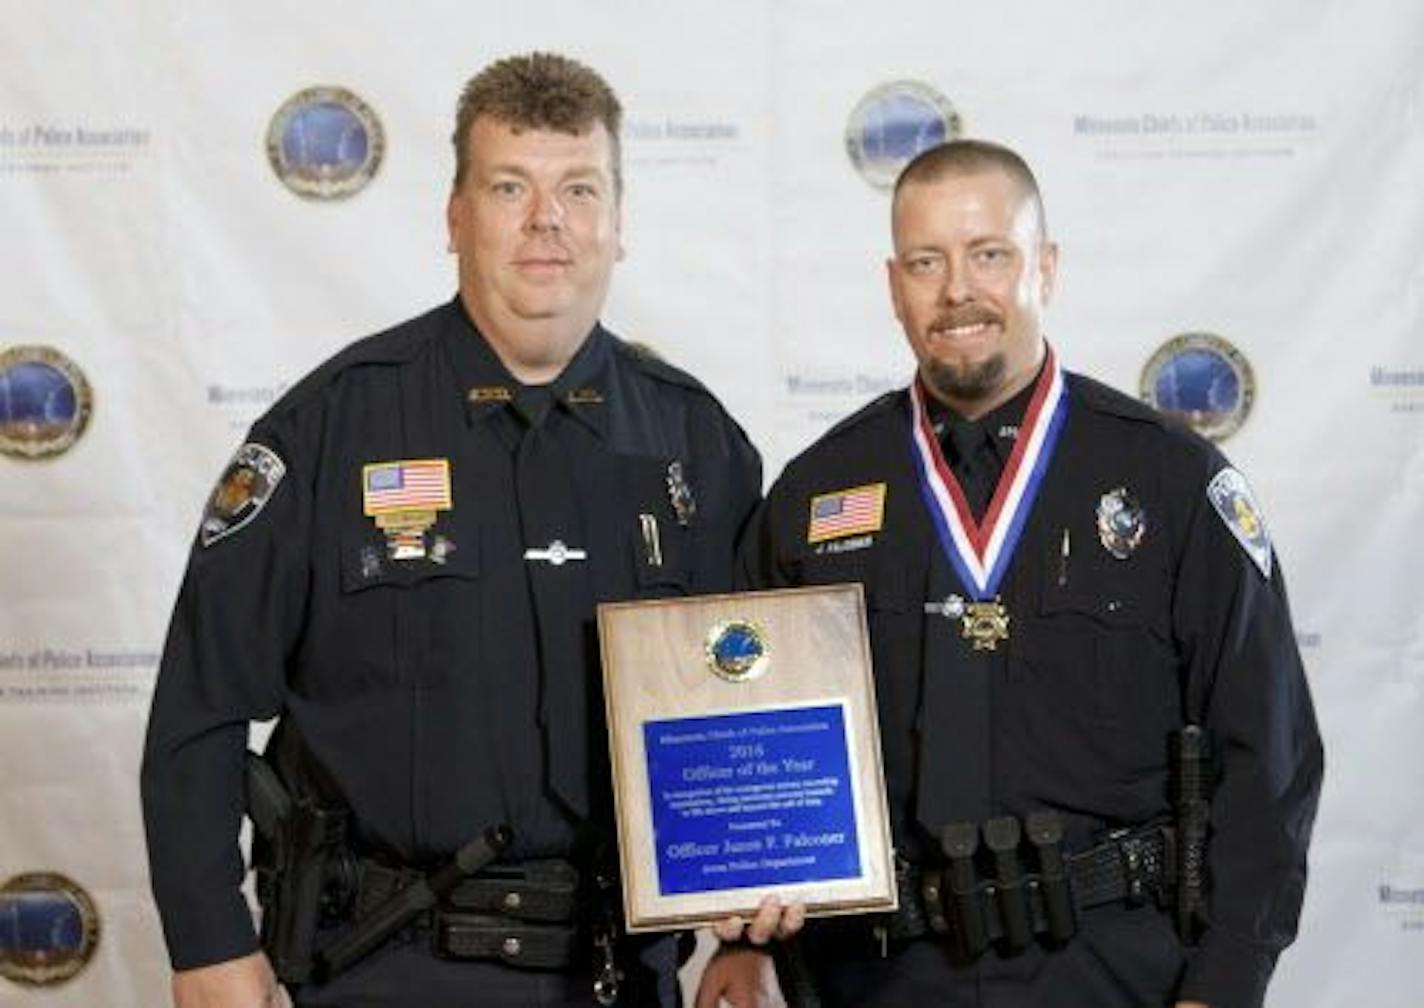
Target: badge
985, 624
244, 489
404, 498
1231, 495
489, 393
857, 511
1121, 522
584, 397
737, 650
680, 494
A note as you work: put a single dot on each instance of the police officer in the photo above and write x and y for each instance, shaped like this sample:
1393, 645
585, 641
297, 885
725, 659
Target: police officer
402, 563
1058, 582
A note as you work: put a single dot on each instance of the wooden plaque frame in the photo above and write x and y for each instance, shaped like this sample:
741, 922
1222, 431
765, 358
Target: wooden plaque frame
658, 668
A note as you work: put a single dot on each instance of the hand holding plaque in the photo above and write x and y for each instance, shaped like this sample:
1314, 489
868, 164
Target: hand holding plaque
746, 755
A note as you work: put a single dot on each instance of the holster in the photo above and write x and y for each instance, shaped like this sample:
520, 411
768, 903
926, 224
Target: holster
301, 858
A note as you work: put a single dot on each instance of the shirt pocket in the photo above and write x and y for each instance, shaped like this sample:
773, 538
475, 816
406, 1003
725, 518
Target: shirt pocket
1099, 648
404, 623
658, 544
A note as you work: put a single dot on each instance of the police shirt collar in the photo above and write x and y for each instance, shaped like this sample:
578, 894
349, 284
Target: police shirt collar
488, 387
1001, 423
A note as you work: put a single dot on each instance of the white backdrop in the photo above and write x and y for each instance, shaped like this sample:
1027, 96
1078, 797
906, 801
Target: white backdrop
1249, 170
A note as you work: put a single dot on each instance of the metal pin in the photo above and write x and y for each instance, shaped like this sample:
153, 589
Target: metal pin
1066, 548
557, 554
652, 541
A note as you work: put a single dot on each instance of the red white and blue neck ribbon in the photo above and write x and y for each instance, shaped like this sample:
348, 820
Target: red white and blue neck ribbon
980, 551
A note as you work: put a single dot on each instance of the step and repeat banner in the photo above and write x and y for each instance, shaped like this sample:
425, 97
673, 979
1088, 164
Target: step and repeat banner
199, 202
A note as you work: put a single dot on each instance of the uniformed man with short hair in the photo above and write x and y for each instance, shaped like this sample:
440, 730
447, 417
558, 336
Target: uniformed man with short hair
1083, 653
401, 565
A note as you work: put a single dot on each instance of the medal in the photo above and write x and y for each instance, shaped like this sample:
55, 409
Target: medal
979, 552
985, 624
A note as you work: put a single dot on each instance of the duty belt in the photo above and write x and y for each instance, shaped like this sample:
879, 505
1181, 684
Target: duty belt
523, 914
1018, 886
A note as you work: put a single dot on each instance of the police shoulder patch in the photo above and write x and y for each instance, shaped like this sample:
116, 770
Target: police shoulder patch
243, 490
1231, 495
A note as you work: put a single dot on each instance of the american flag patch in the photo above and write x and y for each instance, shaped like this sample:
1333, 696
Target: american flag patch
412, 485
846, 513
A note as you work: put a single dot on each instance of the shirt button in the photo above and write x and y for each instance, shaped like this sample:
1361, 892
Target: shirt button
512, 902
511, 948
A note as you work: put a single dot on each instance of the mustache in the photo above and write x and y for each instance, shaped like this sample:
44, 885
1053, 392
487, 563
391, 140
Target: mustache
968, 315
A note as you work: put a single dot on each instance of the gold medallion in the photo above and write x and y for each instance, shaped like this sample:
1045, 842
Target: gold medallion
985, 624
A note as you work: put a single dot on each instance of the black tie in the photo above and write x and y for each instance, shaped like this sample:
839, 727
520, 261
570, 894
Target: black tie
562, 599
973, 463
955, 749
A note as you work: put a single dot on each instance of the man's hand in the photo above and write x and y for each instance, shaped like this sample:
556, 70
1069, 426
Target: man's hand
238, 983
771, 921
743, 977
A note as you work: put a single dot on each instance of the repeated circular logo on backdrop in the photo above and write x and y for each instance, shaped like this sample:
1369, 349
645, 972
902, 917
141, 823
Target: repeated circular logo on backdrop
49, 929
892, 124
325, 143
1202, 380
45, 402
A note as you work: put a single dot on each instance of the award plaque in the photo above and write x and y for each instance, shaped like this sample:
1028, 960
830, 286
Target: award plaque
746, 755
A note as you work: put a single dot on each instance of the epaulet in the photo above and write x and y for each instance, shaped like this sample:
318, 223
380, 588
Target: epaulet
874, 408
396, 345
1106, 399
647, 360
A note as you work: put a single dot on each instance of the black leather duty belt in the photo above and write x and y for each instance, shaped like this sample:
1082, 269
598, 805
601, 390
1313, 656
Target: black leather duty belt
523, 914
1016, 887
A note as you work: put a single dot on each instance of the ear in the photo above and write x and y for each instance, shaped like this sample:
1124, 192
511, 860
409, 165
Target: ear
892, 279
1047, 271
454, 220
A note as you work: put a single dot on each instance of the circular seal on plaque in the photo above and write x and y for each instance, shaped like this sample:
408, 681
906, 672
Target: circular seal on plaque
325, 143
49, 929
737, 650
892, 124
1202, 380
45, 402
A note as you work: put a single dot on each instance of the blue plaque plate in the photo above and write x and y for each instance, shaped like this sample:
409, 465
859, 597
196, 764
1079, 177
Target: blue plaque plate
751, 799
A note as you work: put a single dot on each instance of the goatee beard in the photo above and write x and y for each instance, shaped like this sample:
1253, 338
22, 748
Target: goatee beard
969, 384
